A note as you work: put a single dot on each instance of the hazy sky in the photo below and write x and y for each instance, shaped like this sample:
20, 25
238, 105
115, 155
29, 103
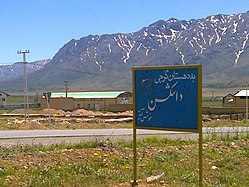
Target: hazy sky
44, 26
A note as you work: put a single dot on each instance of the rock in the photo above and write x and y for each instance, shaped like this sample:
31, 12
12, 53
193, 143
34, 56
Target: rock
153, 178
214, 167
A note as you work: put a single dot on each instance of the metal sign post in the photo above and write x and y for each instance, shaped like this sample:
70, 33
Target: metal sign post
134, 183
168, 98
47, 96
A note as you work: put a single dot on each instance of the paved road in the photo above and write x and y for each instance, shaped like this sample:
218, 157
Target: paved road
20, 137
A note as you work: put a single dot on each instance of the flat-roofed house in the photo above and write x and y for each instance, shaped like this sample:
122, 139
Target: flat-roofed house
228, 100
97, 100
3, 98
236, 100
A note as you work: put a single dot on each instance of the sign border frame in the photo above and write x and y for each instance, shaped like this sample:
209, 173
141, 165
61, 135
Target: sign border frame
199, 89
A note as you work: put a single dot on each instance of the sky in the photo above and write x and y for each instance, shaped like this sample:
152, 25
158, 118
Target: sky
44, 26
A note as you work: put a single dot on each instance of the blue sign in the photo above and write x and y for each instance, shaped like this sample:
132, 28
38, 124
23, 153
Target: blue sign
167, 97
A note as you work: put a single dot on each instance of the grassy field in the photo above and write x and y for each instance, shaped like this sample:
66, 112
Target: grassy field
225, 159
225, 163
106, 164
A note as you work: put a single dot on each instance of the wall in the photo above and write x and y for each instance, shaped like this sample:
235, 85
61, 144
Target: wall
59, 103
229, 104
120, 107
227, 110
88, 104
94, 104
124, 100
240, 102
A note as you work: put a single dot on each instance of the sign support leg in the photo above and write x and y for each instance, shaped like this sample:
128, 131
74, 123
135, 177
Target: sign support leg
200, 160
134, 183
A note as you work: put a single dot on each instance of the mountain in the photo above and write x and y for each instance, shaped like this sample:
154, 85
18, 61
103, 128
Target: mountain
219, 42
15, 70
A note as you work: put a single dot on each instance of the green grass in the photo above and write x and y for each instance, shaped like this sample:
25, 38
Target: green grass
225, 123
110, 164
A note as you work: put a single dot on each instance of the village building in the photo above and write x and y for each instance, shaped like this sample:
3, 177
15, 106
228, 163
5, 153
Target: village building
3, 98
98, 100
236, 100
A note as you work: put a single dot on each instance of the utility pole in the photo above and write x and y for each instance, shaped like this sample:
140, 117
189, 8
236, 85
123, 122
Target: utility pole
47, 96
66, 84
212, 98
25, 83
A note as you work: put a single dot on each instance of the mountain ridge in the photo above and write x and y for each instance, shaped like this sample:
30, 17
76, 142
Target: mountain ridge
15, 70
218, 42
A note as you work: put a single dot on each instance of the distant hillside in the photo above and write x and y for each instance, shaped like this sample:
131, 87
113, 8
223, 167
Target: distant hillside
219, 43
15, 70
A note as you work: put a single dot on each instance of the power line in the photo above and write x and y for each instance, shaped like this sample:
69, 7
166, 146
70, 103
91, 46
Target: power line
85, 72
90, 73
